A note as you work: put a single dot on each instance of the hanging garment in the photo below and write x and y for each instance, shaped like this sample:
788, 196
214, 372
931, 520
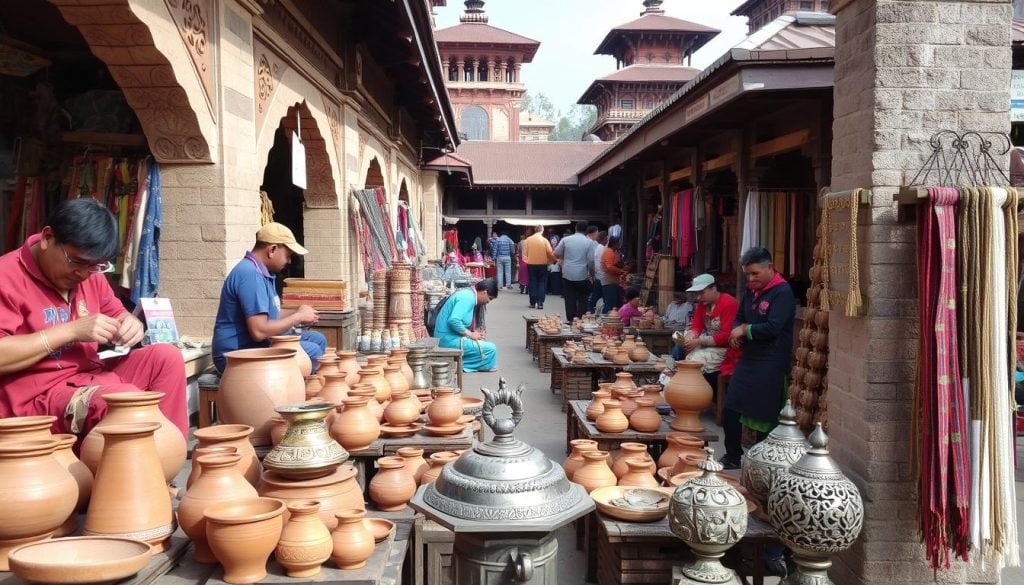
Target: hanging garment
751, 222
779, 221
686, 238
147, 271
135, 223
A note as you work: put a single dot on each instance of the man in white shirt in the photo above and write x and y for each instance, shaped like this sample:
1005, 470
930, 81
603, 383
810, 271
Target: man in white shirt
679, 310
597, 288
577, 258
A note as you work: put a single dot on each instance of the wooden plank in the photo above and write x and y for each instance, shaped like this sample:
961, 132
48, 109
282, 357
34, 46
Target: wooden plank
681, 173
719, 162
910, 195
781, 144
103, 138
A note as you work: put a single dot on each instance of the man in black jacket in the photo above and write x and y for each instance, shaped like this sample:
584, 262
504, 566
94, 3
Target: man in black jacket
763, 329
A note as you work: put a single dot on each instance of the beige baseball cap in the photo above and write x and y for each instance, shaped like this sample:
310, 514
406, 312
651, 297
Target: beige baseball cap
275, 233
701, 282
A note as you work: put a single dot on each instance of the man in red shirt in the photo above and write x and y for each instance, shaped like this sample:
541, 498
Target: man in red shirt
56, 308
707, 340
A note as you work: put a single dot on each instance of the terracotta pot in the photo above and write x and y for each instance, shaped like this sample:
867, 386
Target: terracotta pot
382, 390
594, 472
400, 357
242, 534
639, 473
335, 388
236, 436
392, 486
197, 468
395, 378
292, 342
338, 491
628, 343
621, 357
413, 462
37, 494
627, 451
436, 461
612, 420
678, 443
575, 458
314, 383
138, 407
819, 339
652, 392
821, 319
129, 494
305, 542
812, 380
645, 418
17, 429
446, 407
596, 406
688, 393
328, 364
639, 353
627, 401
278, 426
368, 392
623, 383
219, 482
355, 427
352, 541
805, 334
817, 360
255, 382
403, 410
349, 365
685, 462
83, 477
377, 361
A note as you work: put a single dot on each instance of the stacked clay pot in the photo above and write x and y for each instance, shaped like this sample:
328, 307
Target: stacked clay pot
236, 436
219, 482
254, 383
809, 388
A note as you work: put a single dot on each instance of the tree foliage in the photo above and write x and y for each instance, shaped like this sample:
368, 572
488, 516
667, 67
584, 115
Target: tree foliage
571, 126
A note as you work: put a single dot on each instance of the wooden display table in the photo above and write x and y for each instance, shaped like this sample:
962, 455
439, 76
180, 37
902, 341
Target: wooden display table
577, 381
547, 341
659, 341
578, 427
531, 334
364, 459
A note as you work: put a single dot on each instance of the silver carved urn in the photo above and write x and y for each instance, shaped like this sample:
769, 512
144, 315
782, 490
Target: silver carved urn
763, 462
503, 500
710, 516
816, 510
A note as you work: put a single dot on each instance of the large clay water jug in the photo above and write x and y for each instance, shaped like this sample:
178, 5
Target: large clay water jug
688, 393
292, 342
255, 382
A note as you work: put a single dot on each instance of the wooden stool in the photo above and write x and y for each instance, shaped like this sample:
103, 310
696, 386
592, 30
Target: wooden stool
208, 386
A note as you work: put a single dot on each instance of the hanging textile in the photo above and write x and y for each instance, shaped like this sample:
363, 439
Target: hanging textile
147, 272
136, 220
751, 222
687, 239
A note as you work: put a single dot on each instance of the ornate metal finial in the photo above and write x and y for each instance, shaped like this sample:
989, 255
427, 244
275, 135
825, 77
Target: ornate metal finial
503, 428
788, 414
652, 7
818, 441
474, 12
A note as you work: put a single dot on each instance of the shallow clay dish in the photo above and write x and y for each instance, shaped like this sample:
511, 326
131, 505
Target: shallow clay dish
466, 419
444, 430
380, 528
83, 559
679, 478
652, 503
471, 405
406, 431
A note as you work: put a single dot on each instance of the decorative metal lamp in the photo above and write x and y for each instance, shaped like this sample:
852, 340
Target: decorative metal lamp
783, 447
710, 516
816, 510
503, 499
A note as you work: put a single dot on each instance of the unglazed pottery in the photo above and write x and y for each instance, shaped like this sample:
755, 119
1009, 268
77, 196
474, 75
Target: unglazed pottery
278, 426
355, 427
352, 541
446, 408
392, 486
575, 458
678, 442
220, 482
627, 401
337, 491
623, 383
400, 357
80, 560
292, 342
639, 353
314, 383
596, 406
368, 392
242, 534
612, 420
375, 377
328, 364
236, 436
348, 365
307, 449
688, 393
335, 388
437, 461
129, 494
138, 407
652, 392
594, 472
305, 542
16, 429
645, 418
395, 378
197, 468
254, 383
628, 451
415, 464
37, 494
639, 473
83, 477
403, 410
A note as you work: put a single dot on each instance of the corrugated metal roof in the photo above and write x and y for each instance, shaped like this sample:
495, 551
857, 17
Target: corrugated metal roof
528, 163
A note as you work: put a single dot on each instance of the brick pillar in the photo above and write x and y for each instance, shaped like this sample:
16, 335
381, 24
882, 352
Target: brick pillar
904, 69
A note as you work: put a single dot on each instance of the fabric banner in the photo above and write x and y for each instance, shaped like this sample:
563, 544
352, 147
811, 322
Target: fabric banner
839, 243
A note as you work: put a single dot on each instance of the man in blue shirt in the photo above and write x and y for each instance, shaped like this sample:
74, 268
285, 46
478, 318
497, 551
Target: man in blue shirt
501, 249
250, 311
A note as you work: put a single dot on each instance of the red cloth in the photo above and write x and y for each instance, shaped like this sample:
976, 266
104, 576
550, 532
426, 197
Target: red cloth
717, 323
29, 304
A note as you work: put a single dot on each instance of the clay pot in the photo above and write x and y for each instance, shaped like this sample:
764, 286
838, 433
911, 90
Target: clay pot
413, 462
403, 410
805, 334
657, 323
377, 361
652, 392
688, 393
627, 401
392, 486
400, 357
129, 494
328, 364
812, 380
254, 383
305, 542
821, 319
242, 534
628, 343
612, 420
219, 482
623, 383
314, 383
621, 357
446, 407
236, 436
292, 342
679, 443
817, 360
819, 340
278, 426
355, 427
348, 364
686, 462
338, 491
639, 353
639, 473
335, 388
594, 472
629, 451
352, 542
645, 418
382, 390
37, 494
138, 407
17, 429
436, 461
197, 467
596, 406
83, 477
395, 378
575, 458
801, 354
368, 392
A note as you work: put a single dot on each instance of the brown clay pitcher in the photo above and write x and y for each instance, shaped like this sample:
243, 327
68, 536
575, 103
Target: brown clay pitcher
612, 420
645, 418
305, 542
242, 534
355, 427
575, 458
236, 436
255, 382
292, 342
392, 486
352, 542
594, 472
220, 482
688, 393
83, 477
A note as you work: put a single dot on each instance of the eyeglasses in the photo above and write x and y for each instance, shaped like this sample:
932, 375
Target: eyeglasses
97, 268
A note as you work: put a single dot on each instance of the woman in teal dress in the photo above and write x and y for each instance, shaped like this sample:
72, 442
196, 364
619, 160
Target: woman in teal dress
460, 325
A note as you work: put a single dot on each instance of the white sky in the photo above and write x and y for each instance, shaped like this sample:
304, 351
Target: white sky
570, 30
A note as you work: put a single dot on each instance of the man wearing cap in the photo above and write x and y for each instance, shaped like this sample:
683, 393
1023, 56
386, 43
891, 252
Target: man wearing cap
707, 339
250, 311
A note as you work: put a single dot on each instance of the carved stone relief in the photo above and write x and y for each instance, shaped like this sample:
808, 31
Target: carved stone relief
194, 20
269, 70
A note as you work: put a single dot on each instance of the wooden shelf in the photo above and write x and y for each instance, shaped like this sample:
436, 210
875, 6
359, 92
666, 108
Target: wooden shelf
104, 138
910, 195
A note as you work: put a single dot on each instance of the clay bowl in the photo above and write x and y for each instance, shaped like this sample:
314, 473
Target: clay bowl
83, 559
397, 432
380, 528
653, 502
680, 478
471, 405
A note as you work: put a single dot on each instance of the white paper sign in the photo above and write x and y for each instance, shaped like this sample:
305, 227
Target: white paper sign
1017, 95
298, 162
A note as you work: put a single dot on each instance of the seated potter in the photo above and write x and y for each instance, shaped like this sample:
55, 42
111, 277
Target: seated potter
250, 311
460, 325
56, 308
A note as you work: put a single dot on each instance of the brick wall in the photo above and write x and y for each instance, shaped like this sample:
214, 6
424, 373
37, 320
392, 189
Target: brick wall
904, 69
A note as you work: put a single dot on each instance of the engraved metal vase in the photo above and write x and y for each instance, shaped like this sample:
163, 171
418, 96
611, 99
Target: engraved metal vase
817, 512
417, 359
763, 462
307, 450
710, 516
441, 374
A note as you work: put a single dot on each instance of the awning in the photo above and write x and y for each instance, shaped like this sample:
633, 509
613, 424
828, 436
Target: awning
541, 221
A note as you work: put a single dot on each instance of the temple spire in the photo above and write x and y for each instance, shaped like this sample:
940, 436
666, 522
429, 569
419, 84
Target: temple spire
474, 12
650, 7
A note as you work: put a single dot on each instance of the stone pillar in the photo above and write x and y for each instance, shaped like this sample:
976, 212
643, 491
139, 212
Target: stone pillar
516, 78
460, 67
904, 69
445, 66
503, 71
490, 69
